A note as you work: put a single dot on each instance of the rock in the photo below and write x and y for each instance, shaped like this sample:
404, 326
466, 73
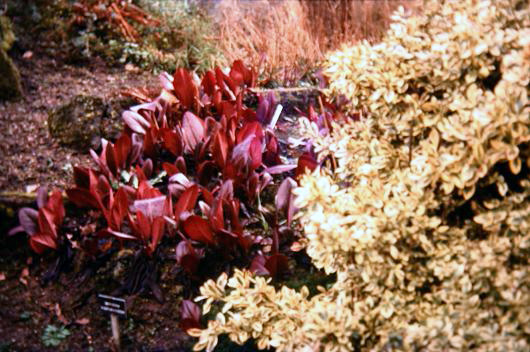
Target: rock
10, 87
77, 124
84, 120
7, 36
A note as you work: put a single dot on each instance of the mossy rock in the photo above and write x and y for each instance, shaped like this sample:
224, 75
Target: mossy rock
7, 36
84, 120
10, 87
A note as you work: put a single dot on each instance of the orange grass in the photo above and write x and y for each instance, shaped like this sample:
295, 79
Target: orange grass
271, 35
288, 38
337, 22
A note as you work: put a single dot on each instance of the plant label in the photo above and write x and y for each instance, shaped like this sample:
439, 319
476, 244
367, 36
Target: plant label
113, 305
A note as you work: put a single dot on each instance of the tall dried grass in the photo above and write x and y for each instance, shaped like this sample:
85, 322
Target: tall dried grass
336, 22
268, 34
288, 38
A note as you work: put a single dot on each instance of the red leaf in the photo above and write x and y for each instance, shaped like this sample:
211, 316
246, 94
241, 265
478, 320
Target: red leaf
118, 209
42, 239
208, 83
217, 216
263, 110
220, 149
187, 200
249, 129
241, 75
149, 146
122, 148
181, 164
306, 161
240, 156
170, 169
198, 229
147, 168
81, 177
226, 84
276, 264
146, 191
172, 141
237, 73
185, 88
226, 192
37, 247
82, 197
207, 196
156, 233
187, 257
46, 224
206, 172
110, 157
55, 204
255, 153
144, 225
193, 130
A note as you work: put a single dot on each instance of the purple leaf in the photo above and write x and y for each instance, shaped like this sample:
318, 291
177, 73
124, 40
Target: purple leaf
42, 197
258, 265
166, 80
151, 106
285, 198
190, 314
28, 219
15, 230
279, 169
135, 121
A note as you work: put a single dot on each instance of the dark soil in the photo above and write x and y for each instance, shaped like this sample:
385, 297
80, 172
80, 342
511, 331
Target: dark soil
29, 306
29, 154
30, 158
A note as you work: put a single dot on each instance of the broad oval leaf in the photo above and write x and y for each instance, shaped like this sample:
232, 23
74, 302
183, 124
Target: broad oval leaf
193, 130
190, 314
280, 169
42, 197
198, 229
185, 88
136, 122
150, 207
27, 217
43, 239
187, 200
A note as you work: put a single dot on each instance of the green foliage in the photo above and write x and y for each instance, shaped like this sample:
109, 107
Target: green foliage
184, 39
53, 335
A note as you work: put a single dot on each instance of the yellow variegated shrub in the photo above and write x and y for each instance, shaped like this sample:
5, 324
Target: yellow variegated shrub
426, 218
